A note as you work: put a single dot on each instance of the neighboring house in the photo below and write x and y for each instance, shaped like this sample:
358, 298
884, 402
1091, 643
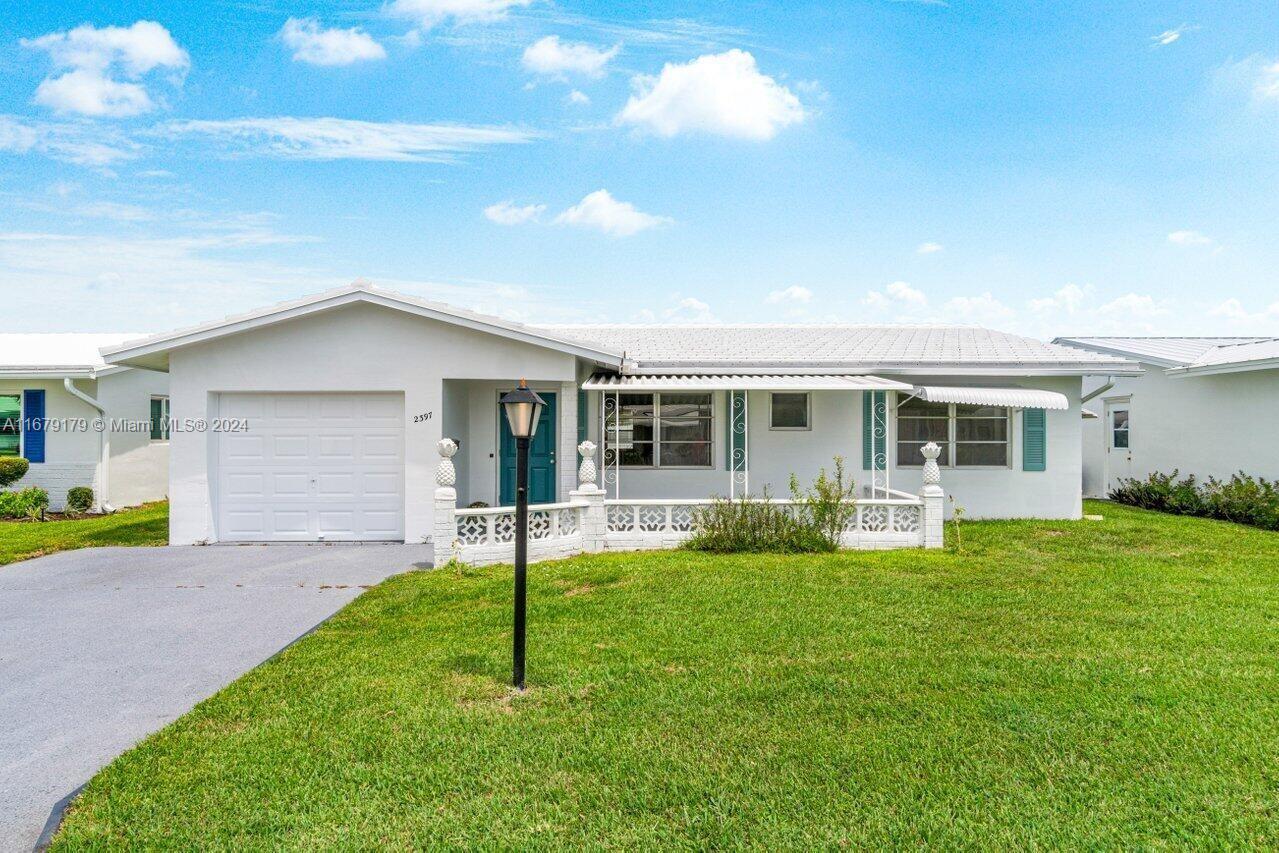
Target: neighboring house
1204, 406
55, 390
324, 413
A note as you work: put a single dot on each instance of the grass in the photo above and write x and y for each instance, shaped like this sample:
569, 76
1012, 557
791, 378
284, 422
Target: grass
144, 525
1057, 684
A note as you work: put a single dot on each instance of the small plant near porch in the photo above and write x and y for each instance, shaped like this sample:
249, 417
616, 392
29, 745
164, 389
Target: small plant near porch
813, 522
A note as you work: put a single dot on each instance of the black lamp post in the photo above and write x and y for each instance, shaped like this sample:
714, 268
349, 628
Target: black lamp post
523, 408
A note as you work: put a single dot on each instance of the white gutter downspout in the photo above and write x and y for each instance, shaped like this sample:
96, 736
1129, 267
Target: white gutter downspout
1110, 383
104, 445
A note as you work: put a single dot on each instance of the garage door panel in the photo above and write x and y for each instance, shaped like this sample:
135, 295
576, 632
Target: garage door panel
312, 466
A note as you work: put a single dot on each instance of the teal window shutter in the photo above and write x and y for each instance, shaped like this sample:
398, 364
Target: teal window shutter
873, 403
1034, 440
735, 445
581, 416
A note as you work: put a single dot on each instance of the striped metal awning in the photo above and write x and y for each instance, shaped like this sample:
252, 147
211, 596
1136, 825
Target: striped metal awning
743, 382
1015, 398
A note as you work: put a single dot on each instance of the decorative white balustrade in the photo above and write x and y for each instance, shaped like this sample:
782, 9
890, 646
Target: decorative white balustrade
589, 523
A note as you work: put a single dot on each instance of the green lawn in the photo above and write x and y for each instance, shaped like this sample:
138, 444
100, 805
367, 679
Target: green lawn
144, 525
1072, 684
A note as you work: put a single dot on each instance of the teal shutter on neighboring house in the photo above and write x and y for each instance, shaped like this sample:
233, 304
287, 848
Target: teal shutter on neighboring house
33, 425
1034, 440
873, 402
735, 445
581, 416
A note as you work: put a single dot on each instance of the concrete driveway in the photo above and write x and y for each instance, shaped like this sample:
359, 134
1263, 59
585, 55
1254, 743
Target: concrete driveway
102, 646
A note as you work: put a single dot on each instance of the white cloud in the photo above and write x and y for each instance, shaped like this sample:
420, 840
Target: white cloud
792, 294
722, 94
556, 58
689, 309
347, 139
899, 295
1189, 238
578, 97
928, 248
94, 59
508, 213
1167, 37
1266, 86
599, 210
70, 142
315, 45
1233, 310
1134, 306
428, 13
1068, 300
984, 309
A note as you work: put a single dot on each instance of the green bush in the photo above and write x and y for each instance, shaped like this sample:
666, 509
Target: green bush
1242, 499
79, 500
812, 523
12, 469
28, 503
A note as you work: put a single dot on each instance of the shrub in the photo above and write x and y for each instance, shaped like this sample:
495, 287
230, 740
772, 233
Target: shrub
1243, 499
28, 503
828, 505
813, 522
728, 526
79, 500
12, 469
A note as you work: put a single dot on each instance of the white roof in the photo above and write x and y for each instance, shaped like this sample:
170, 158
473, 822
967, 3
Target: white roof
1016, 398
55, 354
837, 349
1186, 356
741, 382
152, 352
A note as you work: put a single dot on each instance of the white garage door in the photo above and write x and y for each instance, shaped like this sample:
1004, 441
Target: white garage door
311, 467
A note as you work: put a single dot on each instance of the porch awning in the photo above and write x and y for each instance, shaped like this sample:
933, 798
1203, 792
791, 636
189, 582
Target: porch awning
743, 382
1015, 398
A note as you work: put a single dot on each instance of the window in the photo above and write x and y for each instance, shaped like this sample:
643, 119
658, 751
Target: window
788, 411
662, 431
1119, 429
10, 424
159, 418
968, 435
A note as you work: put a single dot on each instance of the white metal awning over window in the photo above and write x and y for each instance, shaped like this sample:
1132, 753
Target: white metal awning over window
1015, 398
743, 382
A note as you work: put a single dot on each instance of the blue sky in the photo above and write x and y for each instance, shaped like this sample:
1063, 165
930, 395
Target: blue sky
1064, 168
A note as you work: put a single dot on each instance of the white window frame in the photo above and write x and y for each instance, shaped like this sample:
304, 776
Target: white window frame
1113, 406
808, 412
22, 419
1013, 416
657, 436
166, 416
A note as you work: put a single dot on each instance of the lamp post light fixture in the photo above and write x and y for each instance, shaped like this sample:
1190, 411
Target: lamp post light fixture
523, 409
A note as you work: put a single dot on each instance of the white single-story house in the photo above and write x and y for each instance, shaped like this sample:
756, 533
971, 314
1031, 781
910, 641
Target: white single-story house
319, 419
81, 422
1203, 406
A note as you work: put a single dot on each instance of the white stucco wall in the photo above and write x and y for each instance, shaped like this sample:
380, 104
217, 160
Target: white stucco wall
352, 349
71, 455
837, 430
1209, 426
139, 466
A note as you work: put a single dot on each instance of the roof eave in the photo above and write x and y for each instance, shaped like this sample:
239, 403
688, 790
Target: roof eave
50, 372
142, 353
1215, 369
912, 369
1116, 351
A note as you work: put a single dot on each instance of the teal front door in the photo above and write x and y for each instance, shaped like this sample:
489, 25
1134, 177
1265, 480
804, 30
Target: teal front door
541, 457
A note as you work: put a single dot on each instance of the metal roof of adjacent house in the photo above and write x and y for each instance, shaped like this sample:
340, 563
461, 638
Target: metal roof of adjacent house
671, 348
55, 354
1188, 354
